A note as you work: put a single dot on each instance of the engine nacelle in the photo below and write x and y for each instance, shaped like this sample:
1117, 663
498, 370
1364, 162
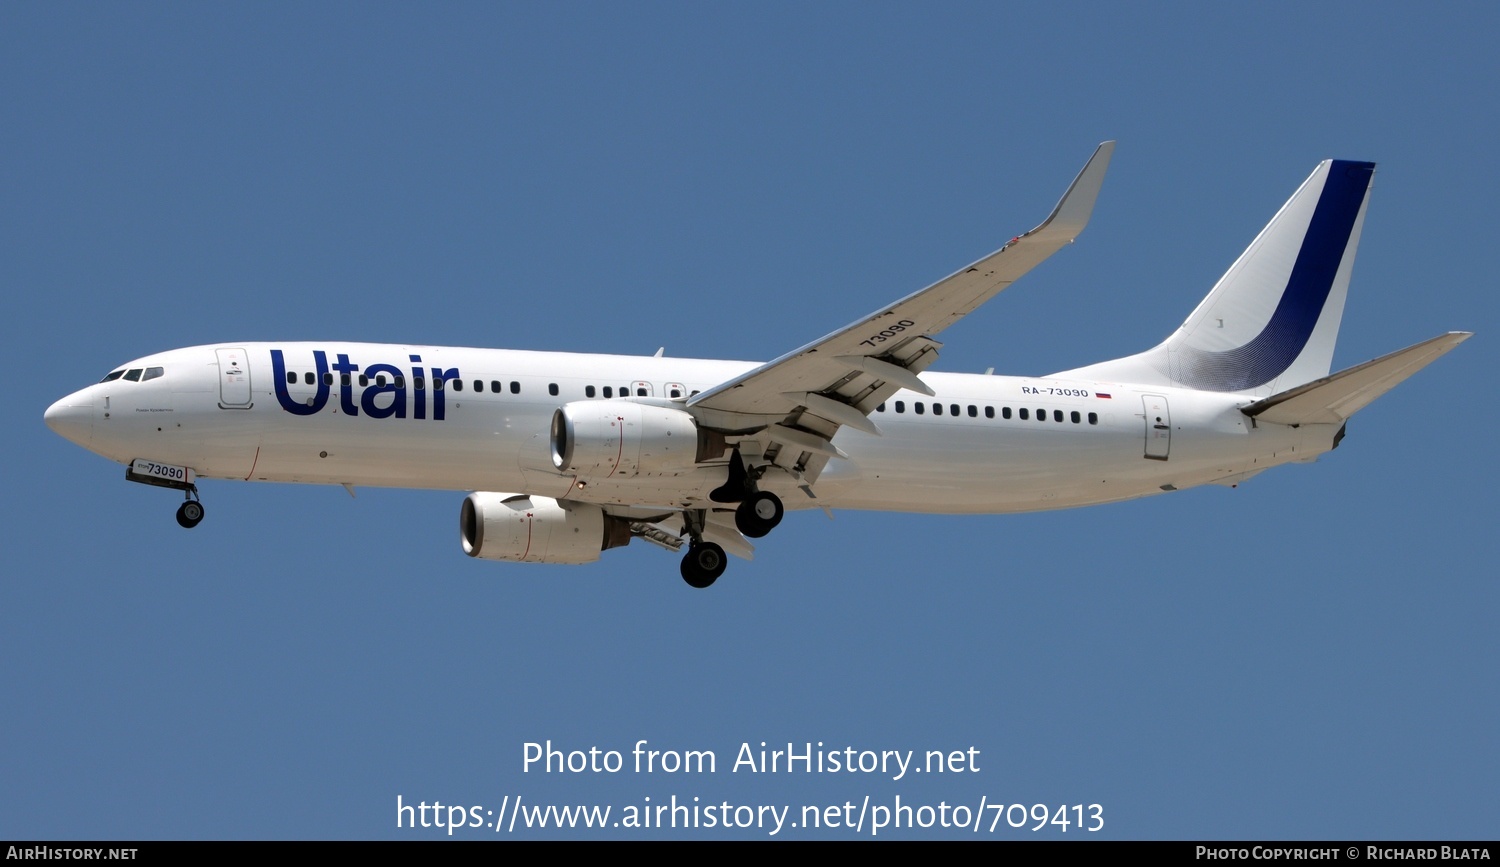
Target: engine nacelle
529, 529
615, 439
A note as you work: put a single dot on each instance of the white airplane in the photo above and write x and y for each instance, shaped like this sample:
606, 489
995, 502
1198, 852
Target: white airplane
572, 454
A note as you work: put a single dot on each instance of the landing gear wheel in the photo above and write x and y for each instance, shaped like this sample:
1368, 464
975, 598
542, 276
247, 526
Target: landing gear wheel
759, 514
703, 564
189, 514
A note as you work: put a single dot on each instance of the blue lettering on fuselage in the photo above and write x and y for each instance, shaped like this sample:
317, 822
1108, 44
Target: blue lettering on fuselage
283, 397
381, 379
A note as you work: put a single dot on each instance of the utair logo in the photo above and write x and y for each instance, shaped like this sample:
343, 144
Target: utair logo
372, 384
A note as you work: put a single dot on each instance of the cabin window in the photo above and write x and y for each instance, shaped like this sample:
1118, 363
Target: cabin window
609, 391
515, 387
495, 386
1075, 417
639, 392
677, 392
989, 412
380, 379
1025, 414
953, 409
973, 411
937, 409
344, 379
458, 385
437, 383
588, 391
479, 385
1093, 418
400, 381
1041, 415
901, 406
552, 389
917, 407
880, 408
1057, 415
306, 377
1005, 413
328, 379
363, 380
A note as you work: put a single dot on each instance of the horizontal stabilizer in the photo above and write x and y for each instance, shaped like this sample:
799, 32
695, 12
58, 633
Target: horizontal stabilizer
1333, 399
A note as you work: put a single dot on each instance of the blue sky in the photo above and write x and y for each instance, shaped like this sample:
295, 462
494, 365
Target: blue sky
1311, 655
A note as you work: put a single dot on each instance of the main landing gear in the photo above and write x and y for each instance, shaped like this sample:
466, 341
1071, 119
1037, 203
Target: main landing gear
191, 510
759, 514
703, 563
759, 511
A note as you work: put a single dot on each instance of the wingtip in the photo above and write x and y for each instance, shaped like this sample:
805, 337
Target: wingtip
1076, 206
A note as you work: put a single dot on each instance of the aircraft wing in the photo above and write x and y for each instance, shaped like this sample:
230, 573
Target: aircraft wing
803, 397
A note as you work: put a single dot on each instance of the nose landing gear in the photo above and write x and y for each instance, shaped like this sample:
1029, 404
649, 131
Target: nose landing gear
149, 472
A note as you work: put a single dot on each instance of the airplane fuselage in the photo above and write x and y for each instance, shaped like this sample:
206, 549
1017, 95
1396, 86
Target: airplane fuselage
364, 414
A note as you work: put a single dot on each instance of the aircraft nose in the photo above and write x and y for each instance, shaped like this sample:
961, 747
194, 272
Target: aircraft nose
72, 418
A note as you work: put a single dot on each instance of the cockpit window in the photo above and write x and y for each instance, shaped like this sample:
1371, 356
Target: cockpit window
112, 376
133, 375
151, 373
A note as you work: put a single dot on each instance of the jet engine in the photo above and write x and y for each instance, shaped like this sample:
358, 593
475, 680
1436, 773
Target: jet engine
606, 439
529, 529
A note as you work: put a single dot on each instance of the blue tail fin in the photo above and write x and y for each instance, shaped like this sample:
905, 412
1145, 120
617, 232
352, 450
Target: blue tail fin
1271, 321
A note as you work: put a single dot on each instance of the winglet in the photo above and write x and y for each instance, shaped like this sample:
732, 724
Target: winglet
1072, 212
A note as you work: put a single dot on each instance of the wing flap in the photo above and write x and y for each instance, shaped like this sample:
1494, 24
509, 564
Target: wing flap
1333, 399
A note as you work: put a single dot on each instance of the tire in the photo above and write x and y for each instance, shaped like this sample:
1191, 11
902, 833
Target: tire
703, 564
759, 514
189, 514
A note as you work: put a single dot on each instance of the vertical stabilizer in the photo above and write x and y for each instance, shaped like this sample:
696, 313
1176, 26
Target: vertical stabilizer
1271, 321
